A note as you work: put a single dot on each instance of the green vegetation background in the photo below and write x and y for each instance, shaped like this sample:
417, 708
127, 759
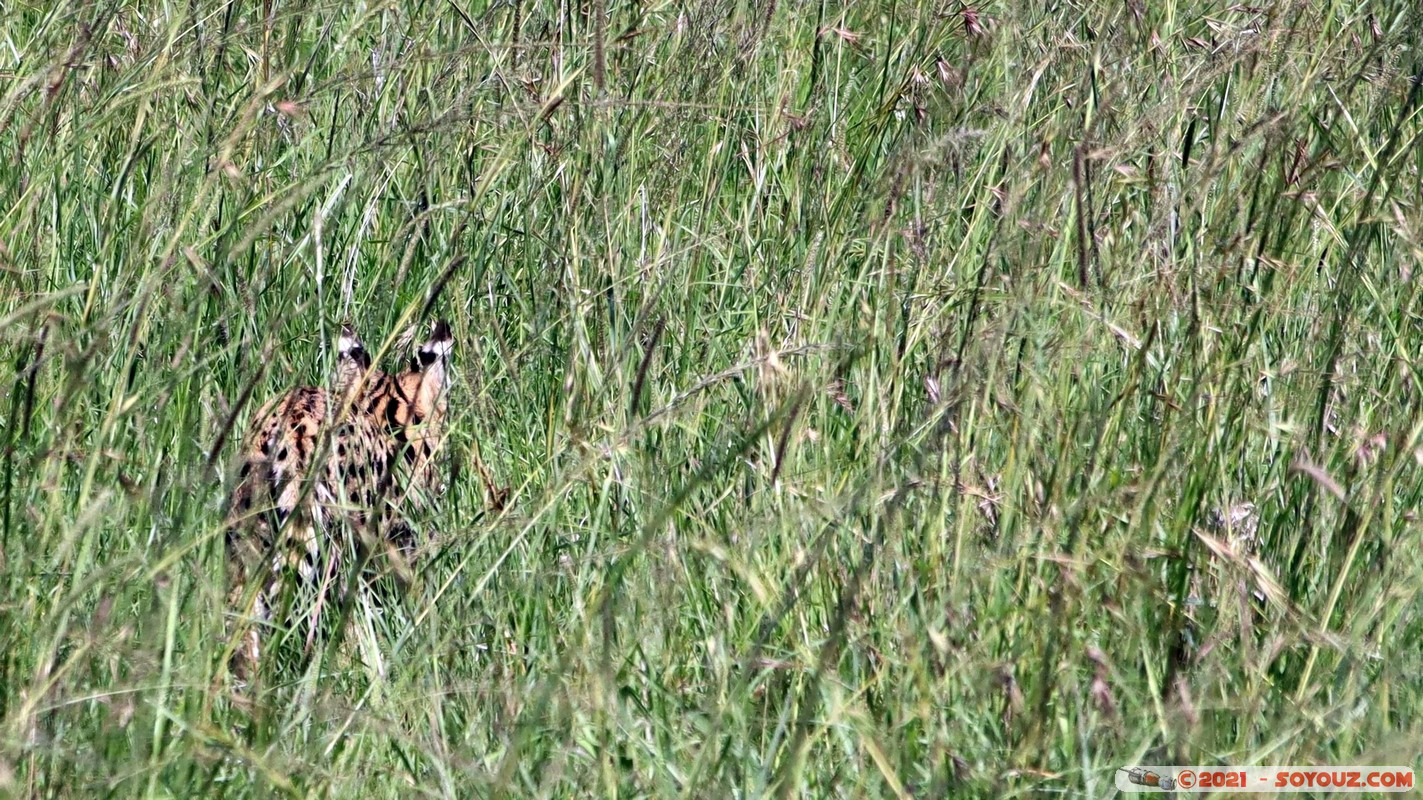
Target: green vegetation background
892, 398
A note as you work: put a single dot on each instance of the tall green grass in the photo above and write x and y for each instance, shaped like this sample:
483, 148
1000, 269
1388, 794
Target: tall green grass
892, 398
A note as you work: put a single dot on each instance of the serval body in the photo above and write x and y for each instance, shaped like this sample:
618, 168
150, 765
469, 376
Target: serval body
322, 479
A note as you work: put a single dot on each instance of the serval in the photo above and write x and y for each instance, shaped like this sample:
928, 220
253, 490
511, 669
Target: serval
323, 478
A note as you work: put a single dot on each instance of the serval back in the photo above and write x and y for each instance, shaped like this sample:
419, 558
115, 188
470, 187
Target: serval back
322, 479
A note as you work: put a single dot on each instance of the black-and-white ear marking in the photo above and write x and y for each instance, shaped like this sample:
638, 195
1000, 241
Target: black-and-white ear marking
437, 347
349, 340
350, 346
350, 343
352, 360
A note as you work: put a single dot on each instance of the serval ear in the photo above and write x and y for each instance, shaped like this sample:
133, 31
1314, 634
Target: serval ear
439, 345
430, 362
352, 361
423, 387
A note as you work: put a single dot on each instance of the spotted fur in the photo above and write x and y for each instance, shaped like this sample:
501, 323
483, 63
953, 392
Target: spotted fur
322, 478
